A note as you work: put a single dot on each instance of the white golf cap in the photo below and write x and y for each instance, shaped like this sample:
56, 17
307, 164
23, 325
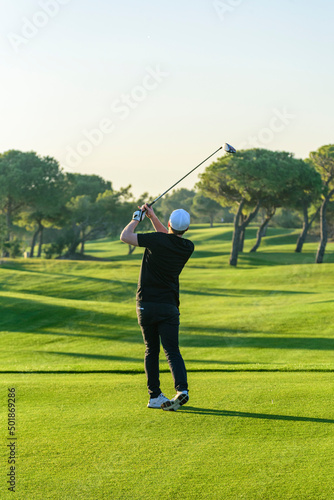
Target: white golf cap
179, 220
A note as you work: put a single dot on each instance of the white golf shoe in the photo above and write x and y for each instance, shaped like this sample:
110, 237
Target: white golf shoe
181, 398
157, 402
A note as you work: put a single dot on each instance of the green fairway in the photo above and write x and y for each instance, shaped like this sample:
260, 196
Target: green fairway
258, 436
258, 344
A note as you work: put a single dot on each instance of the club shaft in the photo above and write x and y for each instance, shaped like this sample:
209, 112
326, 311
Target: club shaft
176, 183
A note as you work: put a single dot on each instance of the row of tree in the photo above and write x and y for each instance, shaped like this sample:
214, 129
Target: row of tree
35, 194
257, 179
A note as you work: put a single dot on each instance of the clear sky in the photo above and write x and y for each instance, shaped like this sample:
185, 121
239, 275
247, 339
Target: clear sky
141, 92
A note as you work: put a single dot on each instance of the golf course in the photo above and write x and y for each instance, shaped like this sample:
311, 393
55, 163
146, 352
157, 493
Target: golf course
258, 344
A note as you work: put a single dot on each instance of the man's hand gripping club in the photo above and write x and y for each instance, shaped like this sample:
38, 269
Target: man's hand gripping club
139, 215
128, 234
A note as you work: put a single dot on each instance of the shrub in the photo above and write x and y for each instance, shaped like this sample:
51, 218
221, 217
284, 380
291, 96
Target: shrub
287, 218
12, 248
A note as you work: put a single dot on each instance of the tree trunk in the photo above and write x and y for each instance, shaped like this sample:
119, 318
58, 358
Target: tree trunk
303, 234
262, 230
236, 236
83, 240
40, 246
245, 223
239, 230
9, 220
5, 253
306, 226
131, 249
72, 248
323, 230
33, 243
75, 241
252, 215
242, 239
235, 246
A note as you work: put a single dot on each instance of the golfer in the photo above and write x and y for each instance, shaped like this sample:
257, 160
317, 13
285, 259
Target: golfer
166, 253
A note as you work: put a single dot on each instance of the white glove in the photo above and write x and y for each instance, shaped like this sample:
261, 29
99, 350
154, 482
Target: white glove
139, 215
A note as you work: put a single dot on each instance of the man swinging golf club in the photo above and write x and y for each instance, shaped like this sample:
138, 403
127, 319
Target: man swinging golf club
166, 253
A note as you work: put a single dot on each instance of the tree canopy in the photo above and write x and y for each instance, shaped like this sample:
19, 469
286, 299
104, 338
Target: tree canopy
69, 209
249, 180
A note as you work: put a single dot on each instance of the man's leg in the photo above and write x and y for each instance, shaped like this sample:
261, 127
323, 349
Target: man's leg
169, 333
151, 360
152, 342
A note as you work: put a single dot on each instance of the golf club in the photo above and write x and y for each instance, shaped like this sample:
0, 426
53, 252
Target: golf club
226, 147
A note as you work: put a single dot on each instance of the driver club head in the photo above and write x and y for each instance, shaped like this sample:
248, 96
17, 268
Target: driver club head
228, 148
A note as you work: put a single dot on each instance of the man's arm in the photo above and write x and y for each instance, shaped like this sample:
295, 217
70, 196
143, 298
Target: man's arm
128, 234
158, 226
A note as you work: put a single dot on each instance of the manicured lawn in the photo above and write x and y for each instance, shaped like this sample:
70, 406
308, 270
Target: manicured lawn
242, 436
258, 344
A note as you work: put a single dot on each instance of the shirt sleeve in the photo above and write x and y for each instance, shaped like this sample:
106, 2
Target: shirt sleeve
147, 240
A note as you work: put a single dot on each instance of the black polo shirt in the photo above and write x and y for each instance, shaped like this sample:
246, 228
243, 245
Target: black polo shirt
164, 258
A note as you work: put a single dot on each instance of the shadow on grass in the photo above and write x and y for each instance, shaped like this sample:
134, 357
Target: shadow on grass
263, 258
141, 360
192, 337
265, 416
71, 287
27, 315
218, 362
94, 356
30, 316
221, 236
232, 292
46, 273
205, 254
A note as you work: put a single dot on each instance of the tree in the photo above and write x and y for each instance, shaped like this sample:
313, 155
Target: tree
87, 220
204, 207
117, 207
85, 215
45, 199
90, 185
247, 180
16, 174
297, 184
310, 189
323, 161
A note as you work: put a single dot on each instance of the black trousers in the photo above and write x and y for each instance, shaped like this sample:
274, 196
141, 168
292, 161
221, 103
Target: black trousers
161, 321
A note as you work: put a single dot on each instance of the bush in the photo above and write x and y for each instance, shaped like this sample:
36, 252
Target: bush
12, 248
287, 218
54, 249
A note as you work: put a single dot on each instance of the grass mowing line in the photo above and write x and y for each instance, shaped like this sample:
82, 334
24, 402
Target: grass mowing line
189, 370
